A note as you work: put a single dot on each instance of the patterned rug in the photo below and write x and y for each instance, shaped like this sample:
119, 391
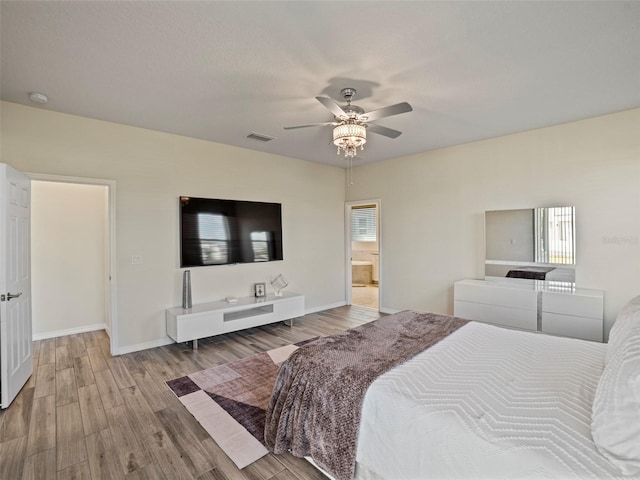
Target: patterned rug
230, 401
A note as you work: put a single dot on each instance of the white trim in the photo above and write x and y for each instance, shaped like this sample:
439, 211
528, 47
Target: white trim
324, 307
347, 252
69, 331
390, 311
112, 323
570, 266
347, 241
161, 342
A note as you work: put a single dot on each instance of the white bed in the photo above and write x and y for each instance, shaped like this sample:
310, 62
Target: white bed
492, 403
511, 404
427, 396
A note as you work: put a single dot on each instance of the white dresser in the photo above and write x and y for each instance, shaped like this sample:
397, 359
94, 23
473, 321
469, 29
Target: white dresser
532, 305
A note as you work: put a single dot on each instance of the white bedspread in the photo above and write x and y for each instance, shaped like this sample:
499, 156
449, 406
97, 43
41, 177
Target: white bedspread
486, 403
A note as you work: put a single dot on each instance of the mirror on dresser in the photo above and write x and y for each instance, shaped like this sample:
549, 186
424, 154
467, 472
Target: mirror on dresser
532, 243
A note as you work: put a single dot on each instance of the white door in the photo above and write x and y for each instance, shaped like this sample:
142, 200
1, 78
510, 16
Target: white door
16, 362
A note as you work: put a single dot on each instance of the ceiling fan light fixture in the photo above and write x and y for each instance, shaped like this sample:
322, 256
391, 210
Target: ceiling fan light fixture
348, 137
351, 122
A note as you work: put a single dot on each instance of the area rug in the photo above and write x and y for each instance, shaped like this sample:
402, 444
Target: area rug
230, 401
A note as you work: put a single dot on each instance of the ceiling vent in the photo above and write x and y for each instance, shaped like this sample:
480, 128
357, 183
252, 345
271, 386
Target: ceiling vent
260, 136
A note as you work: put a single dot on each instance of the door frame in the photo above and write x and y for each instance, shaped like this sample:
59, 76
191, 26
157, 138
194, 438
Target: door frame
112, 317
348, 206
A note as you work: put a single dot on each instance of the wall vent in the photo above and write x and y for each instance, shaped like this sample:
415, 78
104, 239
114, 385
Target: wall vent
260, 136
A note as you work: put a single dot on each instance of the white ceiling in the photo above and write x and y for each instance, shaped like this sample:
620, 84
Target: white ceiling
221, 70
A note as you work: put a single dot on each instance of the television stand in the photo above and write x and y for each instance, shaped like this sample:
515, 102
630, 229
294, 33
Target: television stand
215, 318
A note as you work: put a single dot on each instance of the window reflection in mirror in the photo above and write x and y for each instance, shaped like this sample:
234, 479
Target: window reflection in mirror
554, 230
535, 244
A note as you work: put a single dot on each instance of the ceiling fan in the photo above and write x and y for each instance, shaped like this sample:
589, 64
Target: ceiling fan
352, 122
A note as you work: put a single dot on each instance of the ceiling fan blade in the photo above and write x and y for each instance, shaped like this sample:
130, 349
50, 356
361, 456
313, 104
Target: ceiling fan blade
332, 106
310, 125
396, 109
387, 132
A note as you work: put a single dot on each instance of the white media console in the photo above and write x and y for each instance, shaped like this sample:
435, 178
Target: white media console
215, 318
532, 305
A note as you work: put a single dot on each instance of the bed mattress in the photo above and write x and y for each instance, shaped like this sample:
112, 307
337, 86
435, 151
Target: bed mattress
486, 402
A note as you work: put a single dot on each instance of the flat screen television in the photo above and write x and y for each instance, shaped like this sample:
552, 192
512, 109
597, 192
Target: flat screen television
224, 232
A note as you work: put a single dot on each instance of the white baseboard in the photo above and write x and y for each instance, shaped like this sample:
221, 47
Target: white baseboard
69, 331
161, 342
324, 307
390, 311
342, 304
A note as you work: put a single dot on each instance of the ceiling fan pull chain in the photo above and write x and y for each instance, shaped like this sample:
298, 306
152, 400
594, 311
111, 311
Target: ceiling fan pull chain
350, 170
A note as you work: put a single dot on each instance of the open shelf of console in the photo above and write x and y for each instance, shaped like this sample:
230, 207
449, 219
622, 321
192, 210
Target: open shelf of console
215, 318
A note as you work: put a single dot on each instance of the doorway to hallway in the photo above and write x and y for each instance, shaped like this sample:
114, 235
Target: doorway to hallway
73, 257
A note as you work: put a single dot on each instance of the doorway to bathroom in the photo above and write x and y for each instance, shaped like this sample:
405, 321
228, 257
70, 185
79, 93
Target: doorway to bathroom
363, 253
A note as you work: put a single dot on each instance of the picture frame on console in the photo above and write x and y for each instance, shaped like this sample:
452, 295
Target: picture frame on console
260, 290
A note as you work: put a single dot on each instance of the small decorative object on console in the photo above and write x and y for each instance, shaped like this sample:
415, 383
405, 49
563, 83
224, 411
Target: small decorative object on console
278, 283
186, 289
259, 289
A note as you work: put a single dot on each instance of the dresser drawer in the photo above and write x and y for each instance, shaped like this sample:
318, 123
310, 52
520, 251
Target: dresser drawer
190, 327
496, 295
571, 326
572, 304
497, 315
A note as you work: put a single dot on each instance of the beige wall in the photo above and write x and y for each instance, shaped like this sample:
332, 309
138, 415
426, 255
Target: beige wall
432, 208
68, 264
433, 205
151, 170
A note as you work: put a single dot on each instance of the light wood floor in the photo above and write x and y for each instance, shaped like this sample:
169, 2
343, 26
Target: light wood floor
87, 415
365, 296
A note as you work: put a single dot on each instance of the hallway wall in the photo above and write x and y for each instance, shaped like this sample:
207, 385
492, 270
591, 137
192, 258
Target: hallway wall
68, 257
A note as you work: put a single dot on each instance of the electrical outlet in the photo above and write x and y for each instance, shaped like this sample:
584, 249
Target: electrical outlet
136, 259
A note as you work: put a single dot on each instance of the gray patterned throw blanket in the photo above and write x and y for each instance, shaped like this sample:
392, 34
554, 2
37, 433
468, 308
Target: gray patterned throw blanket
317, 399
